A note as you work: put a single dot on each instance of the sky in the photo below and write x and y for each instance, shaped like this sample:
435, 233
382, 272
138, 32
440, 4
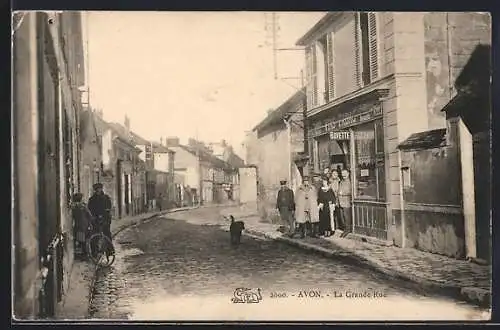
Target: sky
208, 75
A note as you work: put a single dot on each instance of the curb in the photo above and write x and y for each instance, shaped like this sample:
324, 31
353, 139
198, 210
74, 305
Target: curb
472, 295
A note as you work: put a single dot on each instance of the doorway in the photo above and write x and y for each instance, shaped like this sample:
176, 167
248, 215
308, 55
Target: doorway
127, 194
339, 155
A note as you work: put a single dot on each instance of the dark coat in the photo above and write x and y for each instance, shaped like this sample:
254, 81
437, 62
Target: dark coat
100, 205
82, 219
285, 199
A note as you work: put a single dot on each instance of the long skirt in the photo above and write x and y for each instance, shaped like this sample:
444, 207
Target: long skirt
333, 219
324, 220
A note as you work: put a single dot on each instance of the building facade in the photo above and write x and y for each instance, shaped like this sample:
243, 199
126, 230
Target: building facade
163, 165
373, 79
91, 154
279, 142
207, 177
123, 172
48, 63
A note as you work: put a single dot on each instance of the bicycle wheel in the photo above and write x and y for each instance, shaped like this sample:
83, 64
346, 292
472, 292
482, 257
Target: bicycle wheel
98, 246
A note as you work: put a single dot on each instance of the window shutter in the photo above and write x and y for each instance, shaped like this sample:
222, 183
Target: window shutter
308, 77
373, 45
357, 50
314, 77
330, 67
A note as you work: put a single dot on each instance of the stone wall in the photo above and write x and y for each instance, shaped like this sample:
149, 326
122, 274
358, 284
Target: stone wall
450, 39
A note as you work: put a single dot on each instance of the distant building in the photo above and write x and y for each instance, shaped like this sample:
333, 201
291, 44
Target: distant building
210, 179
122, 169
91, 155
159, 179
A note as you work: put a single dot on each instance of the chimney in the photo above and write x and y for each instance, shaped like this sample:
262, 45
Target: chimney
161, 141
172, 141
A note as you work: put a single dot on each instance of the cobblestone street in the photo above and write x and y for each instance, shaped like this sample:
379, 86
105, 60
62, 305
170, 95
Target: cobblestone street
173, 269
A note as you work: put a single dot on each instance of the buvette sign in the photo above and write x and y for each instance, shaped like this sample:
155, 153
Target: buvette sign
340, 135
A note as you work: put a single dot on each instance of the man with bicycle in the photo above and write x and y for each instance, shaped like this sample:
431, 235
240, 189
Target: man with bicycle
100, 206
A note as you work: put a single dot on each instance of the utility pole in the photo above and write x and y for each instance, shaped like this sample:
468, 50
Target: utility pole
274, 30
275, 46
198, 156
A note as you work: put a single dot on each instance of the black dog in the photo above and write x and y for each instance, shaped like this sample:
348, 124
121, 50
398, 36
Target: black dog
235, 230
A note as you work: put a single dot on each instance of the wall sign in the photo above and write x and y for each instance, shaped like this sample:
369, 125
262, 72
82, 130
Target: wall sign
355, 119
340, 135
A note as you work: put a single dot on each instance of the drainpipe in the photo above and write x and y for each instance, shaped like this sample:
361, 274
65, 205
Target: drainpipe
304, 124
289, 149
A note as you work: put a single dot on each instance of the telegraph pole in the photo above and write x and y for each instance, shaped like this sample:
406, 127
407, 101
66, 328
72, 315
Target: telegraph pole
275, 46
274, 30
198, 156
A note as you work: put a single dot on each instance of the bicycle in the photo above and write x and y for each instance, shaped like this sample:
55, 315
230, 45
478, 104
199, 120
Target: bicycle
98, 246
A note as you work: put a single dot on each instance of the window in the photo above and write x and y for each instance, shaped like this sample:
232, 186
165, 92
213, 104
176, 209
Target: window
367, 47
321, 70
369, 157
312, 82
330, 67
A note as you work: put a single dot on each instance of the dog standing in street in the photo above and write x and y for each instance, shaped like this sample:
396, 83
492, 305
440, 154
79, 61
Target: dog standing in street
235, 229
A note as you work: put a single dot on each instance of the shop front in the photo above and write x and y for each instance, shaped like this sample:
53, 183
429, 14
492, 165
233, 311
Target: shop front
353, 139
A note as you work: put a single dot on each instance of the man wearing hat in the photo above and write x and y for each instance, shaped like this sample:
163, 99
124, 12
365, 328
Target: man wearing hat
285, 204
307, 212
100, 205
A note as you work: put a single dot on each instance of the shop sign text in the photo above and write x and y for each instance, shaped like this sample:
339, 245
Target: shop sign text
340, 135
335, 125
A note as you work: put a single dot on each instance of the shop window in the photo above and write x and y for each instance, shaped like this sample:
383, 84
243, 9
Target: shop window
369, 158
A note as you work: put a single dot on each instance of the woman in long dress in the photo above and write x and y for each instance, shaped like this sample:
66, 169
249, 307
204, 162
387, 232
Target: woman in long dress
326, 202
334, 212
82, 219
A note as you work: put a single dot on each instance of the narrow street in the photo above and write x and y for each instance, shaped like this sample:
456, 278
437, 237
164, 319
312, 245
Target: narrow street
179, 269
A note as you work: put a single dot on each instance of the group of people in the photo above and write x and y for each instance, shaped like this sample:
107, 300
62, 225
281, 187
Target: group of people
86, 217
317, 210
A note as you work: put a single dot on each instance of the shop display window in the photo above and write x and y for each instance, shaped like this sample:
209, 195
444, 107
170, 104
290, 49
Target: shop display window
369, 161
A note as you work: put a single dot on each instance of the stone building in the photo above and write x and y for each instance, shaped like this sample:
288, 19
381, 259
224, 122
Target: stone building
204, 173
48, 62
122, 169
278, 144
91, 159
374, 79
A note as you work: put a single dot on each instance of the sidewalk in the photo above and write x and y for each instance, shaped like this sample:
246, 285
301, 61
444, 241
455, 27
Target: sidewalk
461, 279
78, 298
